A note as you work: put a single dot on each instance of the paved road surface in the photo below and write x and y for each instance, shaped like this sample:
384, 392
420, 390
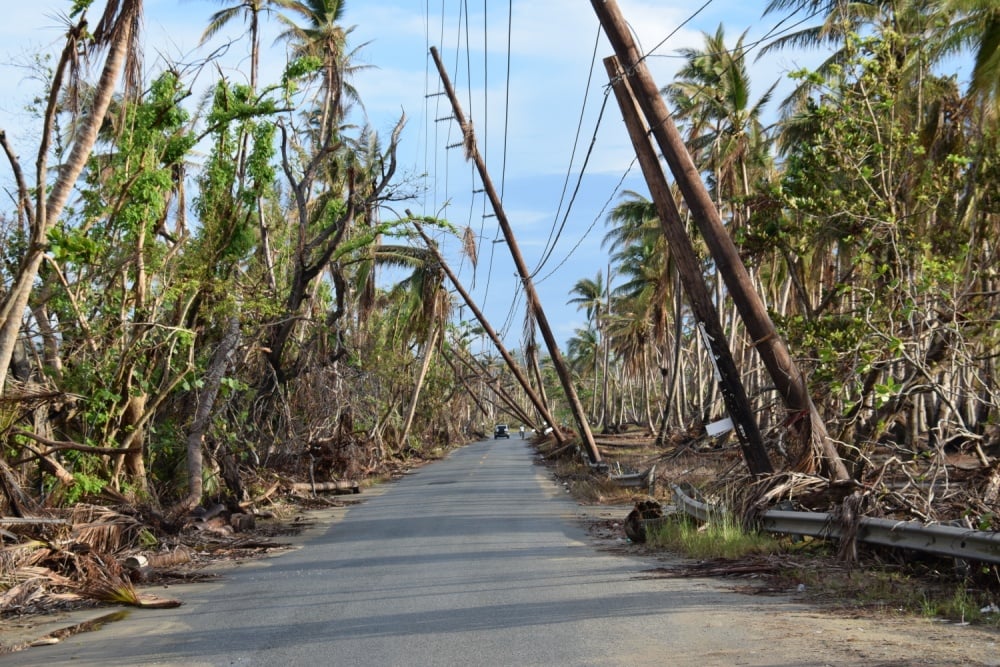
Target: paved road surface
475, 560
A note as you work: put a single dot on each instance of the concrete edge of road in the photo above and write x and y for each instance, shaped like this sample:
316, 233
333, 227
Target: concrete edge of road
46, 629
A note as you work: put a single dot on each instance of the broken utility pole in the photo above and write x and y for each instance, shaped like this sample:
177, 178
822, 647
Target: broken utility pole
690, 270
472, 152
788, 379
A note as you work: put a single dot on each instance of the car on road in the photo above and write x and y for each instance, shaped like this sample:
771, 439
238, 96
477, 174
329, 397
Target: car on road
501, 431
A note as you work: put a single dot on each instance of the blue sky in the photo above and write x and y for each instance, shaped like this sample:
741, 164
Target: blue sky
527, 128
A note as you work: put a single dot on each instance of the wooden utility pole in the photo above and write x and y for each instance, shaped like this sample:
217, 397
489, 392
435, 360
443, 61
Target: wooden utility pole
472, 394
689, 268
535, 399
472, 152
494, 384
784, 372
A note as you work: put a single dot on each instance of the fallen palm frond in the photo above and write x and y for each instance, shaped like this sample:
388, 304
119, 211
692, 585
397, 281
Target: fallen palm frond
28, 572
105, 530
794, 488
19, 556
105, 581
20, 595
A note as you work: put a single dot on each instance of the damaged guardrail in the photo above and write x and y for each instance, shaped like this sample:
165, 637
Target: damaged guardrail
950, 541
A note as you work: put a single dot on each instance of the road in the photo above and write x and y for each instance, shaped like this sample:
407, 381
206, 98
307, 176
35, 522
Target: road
481, 560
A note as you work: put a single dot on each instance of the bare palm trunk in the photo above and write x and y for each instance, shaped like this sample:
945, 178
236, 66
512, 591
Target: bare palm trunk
412, 409
48, 210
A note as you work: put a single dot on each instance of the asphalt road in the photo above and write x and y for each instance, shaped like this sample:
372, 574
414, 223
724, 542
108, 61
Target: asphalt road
475, 560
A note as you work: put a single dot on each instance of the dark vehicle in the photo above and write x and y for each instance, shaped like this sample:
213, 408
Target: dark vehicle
501, 431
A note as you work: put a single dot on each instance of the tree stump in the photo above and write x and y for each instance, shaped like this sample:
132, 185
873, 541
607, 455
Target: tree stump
635, 522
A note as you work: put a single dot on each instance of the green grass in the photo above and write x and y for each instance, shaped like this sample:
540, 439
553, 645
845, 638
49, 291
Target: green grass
721, 537
961, 606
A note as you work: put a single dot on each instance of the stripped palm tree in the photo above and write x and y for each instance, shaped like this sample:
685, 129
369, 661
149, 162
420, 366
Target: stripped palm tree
591, 295
117, 31
251, 11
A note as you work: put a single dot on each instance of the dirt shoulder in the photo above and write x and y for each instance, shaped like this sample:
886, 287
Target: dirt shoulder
824, 621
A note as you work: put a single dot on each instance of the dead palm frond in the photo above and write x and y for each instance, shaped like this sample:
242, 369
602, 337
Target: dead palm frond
19, 556
19, 596
105, 581
103, 529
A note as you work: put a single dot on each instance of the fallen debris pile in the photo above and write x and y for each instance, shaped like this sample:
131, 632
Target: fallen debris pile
93, 555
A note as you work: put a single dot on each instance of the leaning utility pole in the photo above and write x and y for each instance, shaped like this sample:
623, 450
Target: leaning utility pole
519, 375
689, 269
472, 152
787, 378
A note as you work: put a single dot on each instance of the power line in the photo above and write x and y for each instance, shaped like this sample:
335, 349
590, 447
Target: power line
553, 233
677, 29
594, 222
576, 189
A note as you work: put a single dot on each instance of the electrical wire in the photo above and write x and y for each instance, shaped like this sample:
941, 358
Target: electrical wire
597, 218
675, 30
576, 189
558, 226
506, 106
553, 233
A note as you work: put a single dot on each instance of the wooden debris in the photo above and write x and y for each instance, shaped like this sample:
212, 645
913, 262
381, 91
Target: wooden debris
341, 486
218, 525
207, 513
242, 522
635, 522
146, 601
178, 556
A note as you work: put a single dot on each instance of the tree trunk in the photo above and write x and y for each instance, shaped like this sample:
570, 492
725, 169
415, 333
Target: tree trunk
412, 409
203, 413
48, 210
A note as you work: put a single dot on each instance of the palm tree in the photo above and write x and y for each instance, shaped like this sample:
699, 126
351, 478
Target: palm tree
725, 129
591, 294
583, 350
919, 22
644, 260
978, 26
324, 38
424, 306
640, 251
251, 11
590, 297
118, 32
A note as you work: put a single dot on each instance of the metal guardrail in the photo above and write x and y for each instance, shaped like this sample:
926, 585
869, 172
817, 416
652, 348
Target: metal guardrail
637, 480
950, 541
